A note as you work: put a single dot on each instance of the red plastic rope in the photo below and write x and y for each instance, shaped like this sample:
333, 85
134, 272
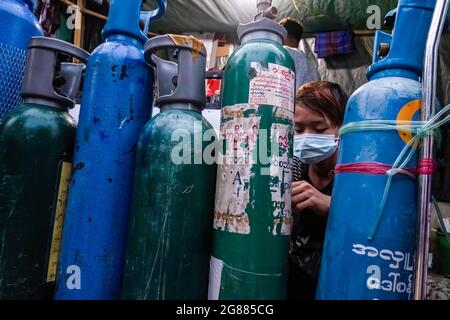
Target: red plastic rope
426, 167
374, 168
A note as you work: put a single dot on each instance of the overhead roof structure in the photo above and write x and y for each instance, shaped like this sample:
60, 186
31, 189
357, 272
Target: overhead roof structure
225, 15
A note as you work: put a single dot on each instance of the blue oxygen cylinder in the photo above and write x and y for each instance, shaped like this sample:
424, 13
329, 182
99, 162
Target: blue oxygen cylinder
368, 252
17, 25
116, 104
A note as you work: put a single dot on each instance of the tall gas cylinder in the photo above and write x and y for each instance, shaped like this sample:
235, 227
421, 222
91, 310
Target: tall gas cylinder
252, 216
170, 231
369, 252
36, 151
116, 104
17, 25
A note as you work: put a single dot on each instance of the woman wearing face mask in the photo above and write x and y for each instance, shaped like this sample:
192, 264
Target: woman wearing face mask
319, 115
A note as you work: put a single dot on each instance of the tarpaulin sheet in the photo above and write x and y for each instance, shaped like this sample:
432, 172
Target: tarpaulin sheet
225, 15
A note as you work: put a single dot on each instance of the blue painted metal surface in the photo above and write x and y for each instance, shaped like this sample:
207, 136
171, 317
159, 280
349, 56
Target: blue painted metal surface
17, 25
354, 267
117, 102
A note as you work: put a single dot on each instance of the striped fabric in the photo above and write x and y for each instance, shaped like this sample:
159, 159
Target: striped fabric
333, 43
298, 170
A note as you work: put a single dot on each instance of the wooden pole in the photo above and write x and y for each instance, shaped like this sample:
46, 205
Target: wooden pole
78, 34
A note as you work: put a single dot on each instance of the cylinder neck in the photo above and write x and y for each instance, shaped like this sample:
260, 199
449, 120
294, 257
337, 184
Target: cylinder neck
179, 106
47, 103
261, 35
123, 20
264, 29
263, 5
125, 39
408, 39
389, 73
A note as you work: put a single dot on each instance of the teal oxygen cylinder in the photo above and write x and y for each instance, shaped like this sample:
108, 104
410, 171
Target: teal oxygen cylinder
252, 216
36, 149
370, 239
170, 232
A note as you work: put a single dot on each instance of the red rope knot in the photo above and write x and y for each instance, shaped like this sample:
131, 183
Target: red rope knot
426, 167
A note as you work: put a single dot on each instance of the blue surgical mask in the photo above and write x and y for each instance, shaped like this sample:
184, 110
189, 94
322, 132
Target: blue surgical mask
313, 148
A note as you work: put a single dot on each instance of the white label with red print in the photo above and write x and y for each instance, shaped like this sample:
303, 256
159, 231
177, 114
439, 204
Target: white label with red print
274, 86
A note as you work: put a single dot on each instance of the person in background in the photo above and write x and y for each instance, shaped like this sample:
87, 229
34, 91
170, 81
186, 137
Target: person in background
305, 69
319, 114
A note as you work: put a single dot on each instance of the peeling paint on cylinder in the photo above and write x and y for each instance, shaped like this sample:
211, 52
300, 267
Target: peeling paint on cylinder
112, 114
170, 232
33, 139
36, 150
116, 105
252, 216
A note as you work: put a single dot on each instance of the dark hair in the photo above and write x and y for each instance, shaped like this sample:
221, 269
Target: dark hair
324, 97
293, 27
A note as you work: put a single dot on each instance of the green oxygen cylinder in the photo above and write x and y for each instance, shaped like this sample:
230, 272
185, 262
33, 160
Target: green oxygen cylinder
170, 232
252, 216
36, 147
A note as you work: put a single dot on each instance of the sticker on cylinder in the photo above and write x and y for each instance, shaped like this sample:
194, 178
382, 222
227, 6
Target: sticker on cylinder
239, 137
244, 160
407, 113
274, 85
280, 180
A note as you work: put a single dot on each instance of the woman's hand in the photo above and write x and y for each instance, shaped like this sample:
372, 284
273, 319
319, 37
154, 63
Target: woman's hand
305, 196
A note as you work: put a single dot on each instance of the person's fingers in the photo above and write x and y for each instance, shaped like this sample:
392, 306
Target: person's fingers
300, 187
301, 206
296, 183
301, 196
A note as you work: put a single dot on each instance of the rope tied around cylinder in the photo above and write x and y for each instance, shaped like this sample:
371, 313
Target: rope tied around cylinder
421, 129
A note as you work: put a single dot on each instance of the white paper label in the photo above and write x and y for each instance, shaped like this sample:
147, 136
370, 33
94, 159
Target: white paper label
280, 185
234, 175
243, 161
274, 86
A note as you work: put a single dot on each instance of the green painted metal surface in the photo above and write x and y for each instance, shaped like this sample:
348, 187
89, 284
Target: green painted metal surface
253, 210
169, 242
35, 142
